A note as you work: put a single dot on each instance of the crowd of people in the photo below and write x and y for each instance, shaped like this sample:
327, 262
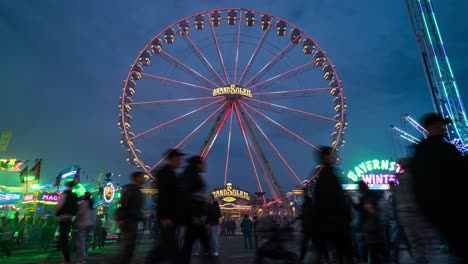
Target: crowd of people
335, 227
371, 228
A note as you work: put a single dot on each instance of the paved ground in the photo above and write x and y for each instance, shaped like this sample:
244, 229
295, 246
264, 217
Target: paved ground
231, 252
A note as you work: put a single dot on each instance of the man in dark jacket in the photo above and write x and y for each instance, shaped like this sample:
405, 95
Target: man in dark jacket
195, 208
212, 220
439, 182
65, 210
129, 214
168, 216
332, 208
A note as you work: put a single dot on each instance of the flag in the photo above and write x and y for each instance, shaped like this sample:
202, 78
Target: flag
23, 174
58, 179
36, 169
5, 139
76, 179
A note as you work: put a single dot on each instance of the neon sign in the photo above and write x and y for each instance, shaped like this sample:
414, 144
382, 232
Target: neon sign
108, 192
232, 90
8, 198
229, 194
49, 197
381, 171
28, 198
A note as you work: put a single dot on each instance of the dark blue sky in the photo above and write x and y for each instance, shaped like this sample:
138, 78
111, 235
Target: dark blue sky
63, 65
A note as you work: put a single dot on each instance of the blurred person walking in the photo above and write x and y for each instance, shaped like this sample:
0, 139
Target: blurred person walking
195, 206
439, 183
65, 210
415, 226
167, 247
5, 235
48, 232
129, 214
85, 221
308, 221
332, 209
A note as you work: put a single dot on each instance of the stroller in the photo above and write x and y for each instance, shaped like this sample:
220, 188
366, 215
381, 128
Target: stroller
271, 244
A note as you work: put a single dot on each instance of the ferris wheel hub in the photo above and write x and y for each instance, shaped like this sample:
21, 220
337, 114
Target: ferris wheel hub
231, 91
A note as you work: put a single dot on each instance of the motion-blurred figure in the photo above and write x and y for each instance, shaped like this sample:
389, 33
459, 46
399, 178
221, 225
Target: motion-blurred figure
332, 209
85, 221
129, 214
440, 176
414, 225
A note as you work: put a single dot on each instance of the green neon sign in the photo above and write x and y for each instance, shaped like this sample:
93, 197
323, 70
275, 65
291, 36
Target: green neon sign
375, 165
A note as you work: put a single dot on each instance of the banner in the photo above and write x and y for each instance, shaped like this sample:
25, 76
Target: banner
5, 139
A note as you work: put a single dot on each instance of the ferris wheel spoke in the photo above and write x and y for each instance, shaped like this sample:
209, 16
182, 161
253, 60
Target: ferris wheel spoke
294, 110
228, 152
284, 76
175, 119
238, 46
296, 136
185, 67
220, 55
264, 173
202, 57
291, 93
285, 163
173, 100
191, 133
273, 61
217, 128
176, 81
254, 55
271, 172
247, 145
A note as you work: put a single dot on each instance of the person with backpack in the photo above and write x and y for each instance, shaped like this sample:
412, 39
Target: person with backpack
65, 210
246, 228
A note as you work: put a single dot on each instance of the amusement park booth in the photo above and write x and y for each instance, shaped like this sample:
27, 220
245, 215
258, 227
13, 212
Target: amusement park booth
233, 202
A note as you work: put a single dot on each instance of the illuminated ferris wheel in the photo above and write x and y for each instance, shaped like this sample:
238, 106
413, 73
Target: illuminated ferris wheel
248, 91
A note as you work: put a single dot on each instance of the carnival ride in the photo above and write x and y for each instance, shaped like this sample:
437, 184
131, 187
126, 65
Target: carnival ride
207, 70
441, 80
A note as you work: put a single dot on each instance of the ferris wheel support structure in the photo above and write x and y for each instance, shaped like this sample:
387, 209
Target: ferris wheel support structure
442, 85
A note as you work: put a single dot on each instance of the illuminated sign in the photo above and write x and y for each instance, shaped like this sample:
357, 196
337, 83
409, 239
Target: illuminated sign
229, 194
375, 171
108, 192
28, 198
232, 90
10, 164
9, 198
49, 197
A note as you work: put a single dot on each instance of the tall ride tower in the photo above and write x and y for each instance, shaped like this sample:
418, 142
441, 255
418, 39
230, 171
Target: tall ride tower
443, 87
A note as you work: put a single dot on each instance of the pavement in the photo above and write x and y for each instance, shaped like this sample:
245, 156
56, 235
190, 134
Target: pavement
232, 251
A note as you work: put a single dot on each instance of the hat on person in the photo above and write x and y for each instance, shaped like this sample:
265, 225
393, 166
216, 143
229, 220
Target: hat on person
194, 160
432, 118
171, 153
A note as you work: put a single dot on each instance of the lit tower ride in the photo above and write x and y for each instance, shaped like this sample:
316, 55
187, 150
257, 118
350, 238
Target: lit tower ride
443, 87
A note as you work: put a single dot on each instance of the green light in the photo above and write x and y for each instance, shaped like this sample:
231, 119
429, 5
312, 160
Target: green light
29, 178
79, 189
35, 186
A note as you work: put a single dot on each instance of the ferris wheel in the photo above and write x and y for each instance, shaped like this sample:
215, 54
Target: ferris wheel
251, 93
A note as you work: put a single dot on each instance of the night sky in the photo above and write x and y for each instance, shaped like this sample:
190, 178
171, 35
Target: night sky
63, 65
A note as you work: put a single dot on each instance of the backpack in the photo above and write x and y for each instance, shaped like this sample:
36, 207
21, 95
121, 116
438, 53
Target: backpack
71, 204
